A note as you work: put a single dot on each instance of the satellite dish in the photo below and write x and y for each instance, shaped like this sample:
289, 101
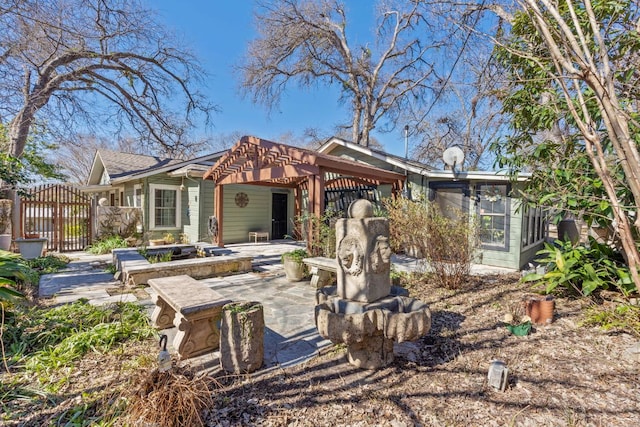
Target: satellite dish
453, 156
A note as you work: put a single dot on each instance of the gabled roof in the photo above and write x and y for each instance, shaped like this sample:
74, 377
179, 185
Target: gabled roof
121, 167
392, 159
417, 167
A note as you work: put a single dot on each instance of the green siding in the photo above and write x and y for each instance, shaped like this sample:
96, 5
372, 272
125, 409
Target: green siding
206, 209
256, 216
502, 258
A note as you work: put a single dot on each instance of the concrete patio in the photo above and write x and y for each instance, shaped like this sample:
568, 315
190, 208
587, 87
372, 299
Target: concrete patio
290, 335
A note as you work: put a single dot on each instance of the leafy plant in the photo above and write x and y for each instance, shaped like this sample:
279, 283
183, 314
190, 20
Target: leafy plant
296, 255
13, 269
623, 317
582, 269
107, 244
55, 338
160, 257
169, 238
48, 264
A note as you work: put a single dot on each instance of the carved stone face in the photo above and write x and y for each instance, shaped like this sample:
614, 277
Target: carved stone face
380, 258
351, 255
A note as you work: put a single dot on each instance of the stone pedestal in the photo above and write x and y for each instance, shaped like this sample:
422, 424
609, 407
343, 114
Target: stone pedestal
242, 337
364, 311
364, 258
372, 353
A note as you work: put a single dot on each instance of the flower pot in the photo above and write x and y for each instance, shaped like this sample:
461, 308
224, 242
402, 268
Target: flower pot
294, 270
31, 248
242, 337
156, 242
540, 309
5, 242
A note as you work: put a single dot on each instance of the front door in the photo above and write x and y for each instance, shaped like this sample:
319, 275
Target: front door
279, 215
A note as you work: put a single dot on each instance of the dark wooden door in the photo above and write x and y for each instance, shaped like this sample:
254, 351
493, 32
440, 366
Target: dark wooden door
279, 215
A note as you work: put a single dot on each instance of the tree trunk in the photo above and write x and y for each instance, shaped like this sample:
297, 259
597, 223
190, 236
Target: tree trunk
19, 131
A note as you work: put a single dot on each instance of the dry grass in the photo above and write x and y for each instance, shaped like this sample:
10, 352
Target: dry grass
174, 398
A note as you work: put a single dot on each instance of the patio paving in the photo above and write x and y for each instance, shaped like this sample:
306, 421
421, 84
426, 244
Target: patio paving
290, 333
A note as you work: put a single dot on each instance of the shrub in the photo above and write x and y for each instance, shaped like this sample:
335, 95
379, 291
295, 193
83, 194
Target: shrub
106, 245
323, 240
447, 242
582, 269
623, 317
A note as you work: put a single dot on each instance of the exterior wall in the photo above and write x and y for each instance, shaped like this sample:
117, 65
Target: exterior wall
162, 179
206, 209
256, 216
506, 258
364, 158
191, 209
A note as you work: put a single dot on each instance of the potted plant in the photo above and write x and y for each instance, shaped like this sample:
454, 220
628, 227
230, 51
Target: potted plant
5, 224
516, 321
294, 268
242, 337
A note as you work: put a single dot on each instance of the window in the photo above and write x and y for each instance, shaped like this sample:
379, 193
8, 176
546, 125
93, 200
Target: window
137, 196
165, 206
493, 212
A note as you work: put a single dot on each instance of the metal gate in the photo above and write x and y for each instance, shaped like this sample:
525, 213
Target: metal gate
59, 213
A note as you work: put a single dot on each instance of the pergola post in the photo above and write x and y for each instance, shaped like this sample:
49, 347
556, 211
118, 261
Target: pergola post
218, 192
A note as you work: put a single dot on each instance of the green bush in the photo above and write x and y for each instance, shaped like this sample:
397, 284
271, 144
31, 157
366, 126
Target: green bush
582, 269
48, 264
106, 245
323, 239
14, 272
296, 255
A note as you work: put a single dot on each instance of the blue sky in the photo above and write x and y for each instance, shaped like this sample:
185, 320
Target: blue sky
218, 32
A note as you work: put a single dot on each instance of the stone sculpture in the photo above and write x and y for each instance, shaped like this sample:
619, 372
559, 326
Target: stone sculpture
364, 311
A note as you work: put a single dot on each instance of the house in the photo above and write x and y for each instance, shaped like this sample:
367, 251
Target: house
510, 234
262, 186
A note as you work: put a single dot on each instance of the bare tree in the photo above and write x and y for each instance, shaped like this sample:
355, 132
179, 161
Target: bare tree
307, 42
107, 63
468, 114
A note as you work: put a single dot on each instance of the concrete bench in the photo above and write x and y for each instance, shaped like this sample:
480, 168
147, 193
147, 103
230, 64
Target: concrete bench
193, 308
198, 268
321, 269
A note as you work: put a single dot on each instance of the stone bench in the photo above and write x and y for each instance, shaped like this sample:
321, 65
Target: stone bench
192, 307
321, 269
198, 268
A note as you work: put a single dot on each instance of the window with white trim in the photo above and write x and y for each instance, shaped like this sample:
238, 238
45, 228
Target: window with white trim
164, 206
493, 212
137, 196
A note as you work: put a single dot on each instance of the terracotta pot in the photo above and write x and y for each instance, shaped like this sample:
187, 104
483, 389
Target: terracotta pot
540, 309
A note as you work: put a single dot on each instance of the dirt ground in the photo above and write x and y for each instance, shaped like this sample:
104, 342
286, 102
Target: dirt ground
563, 374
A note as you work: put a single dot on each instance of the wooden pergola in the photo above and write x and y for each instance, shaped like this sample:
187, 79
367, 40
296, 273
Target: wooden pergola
260, 162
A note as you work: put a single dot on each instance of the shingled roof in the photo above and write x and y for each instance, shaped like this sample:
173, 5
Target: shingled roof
119, 164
